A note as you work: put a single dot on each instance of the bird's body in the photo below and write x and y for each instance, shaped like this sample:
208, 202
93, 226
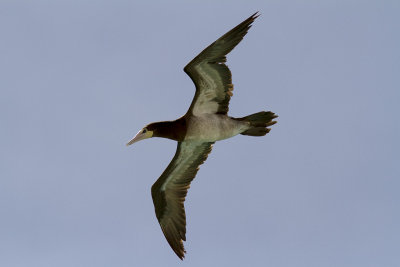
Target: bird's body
206, 122
205, 128
213, 127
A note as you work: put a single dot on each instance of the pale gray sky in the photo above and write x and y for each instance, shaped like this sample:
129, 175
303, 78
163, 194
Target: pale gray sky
80, 78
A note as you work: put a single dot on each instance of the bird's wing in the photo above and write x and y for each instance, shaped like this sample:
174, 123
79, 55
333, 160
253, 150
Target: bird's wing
212, 78
170, 190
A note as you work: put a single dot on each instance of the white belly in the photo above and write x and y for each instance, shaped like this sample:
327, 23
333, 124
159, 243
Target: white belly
212, 127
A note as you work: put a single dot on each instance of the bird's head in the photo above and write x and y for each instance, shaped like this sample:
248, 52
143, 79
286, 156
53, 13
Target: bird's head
146, 132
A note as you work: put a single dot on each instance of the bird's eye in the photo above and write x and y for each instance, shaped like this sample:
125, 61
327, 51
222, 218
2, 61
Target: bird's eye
144, 131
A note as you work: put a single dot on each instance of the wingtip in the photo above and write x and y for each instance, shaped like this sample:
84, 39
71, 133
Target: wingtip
180, 254
249, 21
255, 15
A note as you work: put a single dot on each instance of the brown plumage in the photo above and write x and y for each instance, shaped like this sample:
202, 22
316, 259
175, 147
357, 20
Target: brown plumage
212, 78
205, 122
168, 202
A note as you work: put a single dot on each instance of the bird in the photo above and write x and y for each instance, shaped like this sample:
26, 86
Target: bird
205, 122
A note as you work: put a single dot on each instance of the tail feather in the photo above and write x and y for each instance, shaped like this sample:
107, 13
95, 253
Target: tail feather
259, 122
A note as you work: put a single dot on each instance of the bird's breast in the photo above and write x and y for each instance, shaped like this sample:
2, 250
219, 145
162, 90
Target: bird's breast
213, 127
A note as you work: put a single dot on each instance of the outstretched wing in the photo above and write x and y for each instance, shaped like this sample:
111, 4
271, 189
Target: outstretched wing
212, 78
170, 190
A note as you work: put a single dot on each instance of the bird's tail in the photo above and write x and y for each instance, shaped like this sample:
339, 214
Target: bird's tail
259, 122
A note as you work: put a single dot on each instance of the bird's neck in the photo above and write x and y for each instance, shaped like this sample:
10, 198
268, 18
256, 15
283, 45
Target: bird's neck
175, 130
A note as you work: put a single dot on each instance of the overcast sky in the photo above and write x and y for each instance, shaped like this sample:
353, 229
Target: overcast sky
80, 78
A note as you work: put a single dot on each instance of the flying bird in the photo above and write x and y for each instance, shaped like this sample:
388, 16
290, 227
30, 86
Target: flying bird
205, 122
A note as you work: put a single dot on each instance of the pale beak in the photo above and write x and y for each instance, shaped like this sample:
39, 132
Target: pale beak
140, 136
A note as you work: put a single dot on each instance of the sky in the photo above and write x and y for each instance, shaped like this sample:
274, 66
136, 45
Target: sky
80, 78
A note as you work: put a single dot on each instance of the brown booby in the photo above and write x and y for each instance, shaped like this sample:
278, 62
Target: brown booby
205, 122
